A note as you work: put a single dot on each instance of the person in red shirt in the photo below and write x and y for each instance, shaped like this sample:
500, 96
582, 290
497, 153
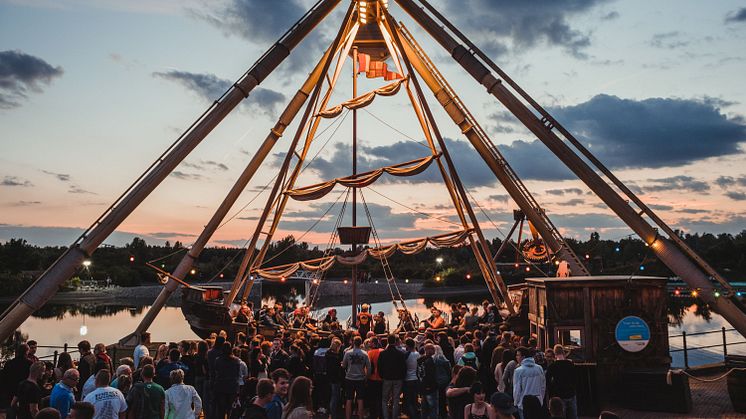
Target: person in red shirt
375, 383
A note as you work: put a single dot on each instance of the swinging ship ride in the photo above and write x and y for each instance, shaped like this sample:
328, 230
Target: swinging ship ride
381, 48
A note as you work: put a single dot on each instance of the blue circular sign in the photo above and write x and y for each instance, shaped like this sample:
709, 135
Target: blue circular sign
632, 334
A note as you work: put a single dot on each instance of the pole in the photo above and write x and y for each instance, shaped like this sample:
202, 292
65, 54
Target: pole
354, 190
668, 253
686, 354
186, 263
725, 345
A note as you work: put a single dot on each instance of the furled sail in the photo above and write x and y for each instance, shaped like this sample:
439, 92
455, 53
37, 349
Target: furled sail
409, 247
363, 100
317, 191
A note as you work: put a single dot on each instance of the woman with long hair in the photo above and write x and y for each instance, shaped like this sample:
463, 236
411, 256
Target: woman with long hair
64, 363
507, 356
458, 393
478, 409
299, 403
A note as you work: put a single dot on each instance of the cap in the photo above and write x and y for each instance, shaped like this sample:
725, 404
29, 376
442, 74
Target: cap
503, 403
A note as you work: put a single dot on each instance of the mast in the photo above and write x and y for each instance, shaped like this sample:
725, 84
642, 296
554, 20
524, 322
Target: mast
354, 172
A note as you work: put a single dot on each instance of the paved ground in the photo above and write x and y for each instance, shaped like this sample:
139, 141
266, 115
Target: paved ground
709, 400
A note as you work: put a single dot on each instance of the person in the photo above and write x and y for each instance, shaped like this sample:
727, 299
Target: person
356, 364
442, 378
364, 320
108, 402
146, 400
469, 358
225, 384
182, 400
86, 363
244, 314
28, 393
427, 374
265, 391
281, 380
436, 320
15, 371
163, 373
63, 393
392, 369
532, 408
90, 383
64, 363
458, 392
455, 316
278, 358
334, 375
528, 379
406, 323
502, 405
320, 381
379, 323
446, 347
123, 369
556, 408
470, 321
141, 349
561, 377
375, 384
295, 365
478, 409
31, 354
507, 355
299, 404
102, 358
81, 410
331, 317
508, 366
48, 413
410, 379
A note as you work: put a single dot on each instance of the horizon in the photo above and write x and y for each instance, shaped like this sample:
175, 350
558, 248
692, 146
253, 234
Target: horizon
91, 97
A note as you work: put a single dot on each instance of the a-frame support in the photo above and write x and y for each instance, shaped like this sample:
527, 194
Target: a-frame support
671, 255
66, 265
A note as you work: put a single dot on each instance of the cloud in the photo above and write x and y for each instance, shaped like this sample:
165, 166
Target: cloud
736, 16
205, 165
517, 25
499, 198
262, 22
20, 74
170, 235
659, 207
680, 183
572, 202
210, 87
610, 16
185, 176
60, 176
736, 196
726, 182
655, 132
78, 190
561, 192
63, 236
668, 40
23, 203
15, 181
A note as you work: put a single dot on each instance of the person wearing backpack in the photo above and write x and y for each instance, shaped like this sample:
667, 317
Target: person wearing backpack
469, 358
427, 375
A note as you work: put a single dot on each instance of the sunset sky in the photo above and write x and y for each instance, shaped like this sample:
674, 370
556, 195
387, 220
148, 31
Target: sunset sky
91, 92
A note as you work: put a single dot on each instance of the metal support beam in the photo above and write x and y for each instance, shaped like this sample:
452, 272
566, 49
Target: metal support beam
666, 251
63, 268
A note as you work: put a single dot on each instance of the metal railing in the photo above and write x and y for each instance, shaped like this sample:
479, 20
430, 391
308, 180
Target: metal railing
685, 348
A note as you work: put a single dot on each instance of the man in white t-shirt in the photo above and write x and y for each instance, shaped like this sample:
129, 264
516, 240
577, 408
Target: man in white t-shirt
108, 401
141, 350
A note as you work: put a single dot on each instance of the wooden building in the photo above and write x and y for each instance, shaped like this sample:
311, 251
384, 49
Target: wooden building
591, 315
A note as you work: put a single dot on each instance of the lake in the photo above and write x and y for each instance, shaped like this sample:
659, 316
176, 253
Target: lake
54, 325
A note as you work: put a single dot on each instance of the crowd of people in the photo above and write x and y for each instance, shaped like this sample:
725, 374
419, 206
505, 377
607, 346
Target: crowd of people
470, 366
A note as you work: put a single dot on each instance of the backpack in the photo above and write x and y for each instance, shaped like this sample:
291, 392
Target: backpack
470, 362
442, 372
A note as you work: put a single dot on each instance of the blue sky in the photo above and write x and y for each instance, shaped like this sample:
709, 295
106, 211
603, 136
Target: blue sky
92, 92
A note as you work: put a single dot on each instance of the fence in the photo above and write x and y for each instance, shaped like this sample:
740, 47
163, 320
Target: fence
686, 348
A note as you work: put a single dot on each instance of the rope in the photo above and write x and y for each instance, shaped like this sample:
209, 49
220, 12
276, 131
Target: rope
711, 380
384, 261
445, 220
414, 140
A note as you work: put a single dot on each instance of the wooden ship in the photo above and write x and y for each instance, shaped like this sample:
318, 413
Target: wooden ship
371, 38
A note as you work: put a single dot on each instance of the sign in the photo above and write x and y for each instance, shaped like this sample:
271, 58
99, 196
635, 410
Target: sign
632, 334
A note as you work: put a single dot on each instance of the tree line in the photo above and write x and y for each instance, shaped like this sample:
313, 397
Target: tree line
21, 263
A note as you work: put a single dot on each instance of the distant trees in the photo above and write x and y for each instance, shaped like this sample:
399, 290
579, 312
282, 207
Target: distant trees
21, 263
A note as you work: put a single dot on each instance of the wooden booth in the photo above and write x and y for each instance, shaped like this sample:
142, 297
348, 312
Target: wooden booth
615, 326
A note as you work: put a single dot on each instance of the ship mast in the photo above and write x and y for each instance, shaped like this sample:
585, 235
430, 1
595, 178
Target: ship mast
354, 190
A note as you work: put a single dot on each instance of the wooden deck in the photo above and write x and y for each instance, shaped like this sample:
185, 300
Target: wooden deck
709, 400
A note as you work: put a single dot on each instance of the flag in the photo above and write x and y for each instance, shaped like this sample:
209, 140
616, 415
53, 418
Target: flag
376, 69
392, 75
363, 63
